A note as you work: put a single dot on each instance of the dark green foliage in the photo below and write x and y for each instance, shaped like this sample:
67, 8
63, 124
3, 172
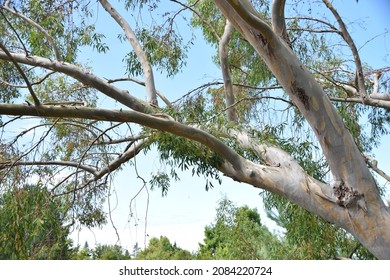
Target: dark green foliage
239, 234
162, 249
82, 254
32, 225
181, 153
311, 237
161, 181
102, 252
110, 252
9, 73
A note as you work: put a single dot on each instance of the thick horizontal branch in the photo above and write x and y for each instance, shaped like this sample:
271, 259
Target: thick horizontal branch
381, 96
83, 76
153, 121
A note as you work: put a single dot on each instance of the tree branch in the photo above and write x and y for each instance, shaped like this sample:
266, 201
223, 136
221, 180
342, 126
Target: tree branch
21, 72
32, 147
373, 163
123, 158
278, 20
381, 96
249, 14
347, 37
151, 94
157, 122
83, 76
227, 79
370, 102
341, 152
37, 26
332, 27
87, 168
159, 93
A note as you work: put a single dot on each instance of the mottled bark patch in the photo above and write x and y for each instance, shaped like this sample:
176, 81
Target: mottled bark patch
347, 197
300, 94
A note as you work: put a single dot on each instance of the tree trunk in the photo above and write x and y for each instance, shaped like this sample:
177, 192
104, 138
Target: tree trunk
365, 214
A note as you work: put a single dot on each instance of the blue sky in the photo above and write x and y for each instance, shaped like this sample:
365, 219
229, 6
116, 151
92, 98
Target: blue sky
182, 215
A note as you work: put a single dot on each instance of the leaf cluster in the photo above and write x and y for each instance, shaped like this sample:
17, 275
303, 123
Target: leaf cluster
183, 154
238, 234
163, 48
66, 22
32, 225
309, 236
162, 249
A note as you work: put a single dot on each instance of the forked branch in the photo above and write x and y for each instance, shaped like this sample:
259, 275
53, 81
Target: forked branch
347, 37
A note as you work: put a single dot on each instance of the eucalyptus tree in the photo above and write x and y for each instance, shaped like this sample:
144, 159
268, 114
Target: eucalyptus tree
286, 116
33, 225
239, 234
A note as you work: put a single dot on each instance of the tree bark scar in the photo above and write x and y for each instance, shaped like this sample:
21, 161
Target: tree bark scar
300, 94
252, 174
263, 40
326, 142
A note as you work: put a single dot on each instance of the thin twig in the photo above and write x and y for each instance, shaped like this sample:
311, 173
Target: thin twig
21, 72
29, 150
347, 37
37, 26
142, 83
205, 22
16, 33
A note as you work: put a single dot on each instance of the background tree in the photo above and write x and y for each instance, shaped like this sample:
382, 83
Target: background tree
102, 252
238, 234
162, 249
83, 253
288, 115
110, 252
32, 225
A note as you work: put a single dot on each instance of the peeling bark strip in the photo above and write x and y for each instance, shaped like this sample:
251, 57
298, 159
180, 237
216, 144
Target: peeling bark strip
300, 93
